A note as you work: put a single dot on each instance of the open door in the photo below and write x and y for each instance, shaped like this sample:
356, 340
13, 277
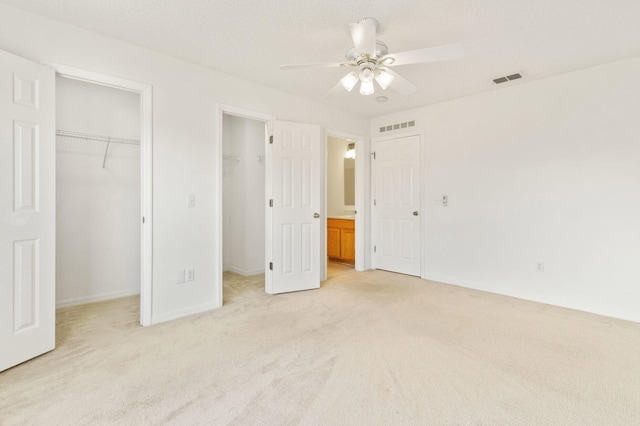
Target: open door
293, 217
27, 210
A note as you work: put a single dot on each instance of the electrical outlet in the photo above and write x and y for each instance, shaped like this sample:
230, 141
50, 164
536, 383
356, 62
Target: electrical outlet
539, 266
445, 199
180, 276
191, 274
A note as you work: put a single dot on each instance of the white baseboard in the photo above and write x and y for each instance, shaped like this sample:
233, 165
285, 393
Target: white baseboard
96, 298
158, 318
244, 272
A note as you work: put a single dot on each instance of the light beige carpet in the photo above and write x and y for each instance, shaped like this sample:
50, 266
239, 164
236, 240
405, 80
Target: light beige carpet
370, 348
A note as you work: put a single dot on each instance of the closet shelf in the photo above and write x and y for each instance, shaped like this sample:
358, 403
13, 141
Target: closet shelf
92, 137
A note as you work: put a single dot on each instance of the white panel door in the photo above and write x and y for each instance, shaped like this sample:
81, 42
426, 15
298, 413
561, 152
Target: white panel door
397, 205
294, 178
27, 210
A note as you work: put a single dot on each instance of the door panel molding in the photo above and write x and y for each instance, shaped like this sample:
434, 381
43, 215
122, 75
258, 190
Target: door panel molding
27, 209
398, 187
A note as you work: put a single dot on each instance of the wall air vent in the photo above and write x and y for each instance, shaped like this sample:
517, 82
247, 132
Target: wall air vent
397, 126
511, 77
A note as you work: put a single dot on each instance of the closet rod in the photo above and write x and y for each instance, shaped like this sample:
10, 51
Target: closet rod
93, 137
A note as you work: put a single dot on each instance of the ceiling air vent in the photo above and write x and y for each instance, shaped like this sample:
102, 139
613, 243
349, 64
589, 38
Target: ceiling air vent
507, 78
397, 126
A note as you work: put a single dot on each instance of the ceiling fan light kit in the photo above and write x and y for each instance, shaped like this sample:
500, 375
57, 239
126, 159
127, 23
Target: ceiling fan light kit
372, 59
383, 78
349, 81
366, 88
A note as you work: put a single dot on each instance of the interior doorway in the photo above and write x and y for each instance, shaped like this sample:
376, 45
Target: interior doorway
98, 246
346, 211
243, 206
341, 205
243, 226
105, 120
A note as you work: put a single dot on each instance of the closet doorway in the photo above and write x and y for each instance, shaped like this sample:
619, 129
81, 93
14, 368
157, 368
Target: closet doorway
103, 238
243, 204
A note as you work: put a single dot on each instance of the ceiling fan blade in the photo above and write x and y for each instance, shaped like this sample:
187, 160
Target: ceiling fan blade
401, 84
336, 91
430, 54
364, 38
320, 65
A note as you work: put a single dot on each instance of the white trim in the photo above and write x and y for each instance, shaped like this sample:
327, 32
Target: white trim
423, 198
362, 203
181, 313
146, 172
217, 214
244, 272
96, 298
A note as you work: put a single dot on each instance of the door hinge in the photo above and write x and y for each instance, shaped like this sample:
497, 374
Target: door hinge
374, 249
271, 266
142, 219
373, 154
271, 139
271, 202
374, 202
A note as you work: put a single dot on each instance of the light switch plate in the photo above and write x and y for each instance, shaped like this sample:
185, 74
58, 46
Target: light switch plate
191, 200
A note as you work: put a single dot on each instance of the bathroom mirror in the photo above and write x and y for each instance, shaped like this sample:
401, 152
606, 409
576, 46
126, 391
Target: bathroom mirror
349, 181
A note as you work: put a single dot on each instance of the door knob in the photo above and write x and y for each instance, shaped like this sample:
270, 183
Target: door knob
415, 213
316, 215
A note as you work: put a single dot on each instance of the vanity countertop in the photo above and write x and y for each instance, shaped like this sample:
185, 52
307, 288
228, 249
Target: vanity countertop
345, 216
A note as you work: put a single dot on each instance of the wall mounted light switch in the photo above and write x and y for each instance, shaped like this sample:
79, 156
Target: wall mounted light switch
191, 200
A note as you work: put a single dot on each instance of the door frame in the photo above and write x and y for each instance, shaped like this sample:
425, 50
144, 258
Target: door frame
267, 119
423, 198
360, 206
146, 172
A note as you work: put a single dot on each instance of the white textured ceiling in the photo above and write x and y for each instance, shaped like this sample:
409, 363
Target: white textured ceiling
251, 38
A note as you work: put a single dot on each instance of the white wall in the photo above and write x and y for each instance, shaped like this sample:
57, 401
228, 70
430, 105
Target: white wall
542, 172
97, 209
184, 131
243, 195
336, 149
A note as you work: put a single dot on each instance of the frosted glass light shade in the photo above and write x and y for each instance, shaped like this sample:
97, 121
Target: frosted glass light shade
349, 81
366, 75
384, 79
366, 88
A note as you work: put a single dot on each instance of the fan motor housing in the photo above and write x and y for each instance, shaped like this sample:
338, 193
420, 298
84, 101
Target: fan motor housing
381, 51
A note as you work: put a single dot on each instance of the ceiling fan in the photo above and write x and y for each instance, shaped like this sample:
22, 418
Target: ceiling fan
370, 60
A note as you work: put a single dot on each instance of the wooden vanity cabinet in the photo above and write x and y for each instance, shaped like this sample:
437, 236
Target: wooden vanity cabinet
341, 240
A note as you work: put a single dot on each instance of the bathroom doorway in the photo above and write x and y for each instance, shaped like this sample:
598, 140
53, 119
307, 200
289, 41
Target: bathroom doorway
341, 205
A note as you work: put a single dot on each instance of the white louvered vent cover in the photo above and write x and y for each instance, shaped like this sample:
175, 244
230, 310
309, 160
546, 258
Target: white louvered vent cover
397, 126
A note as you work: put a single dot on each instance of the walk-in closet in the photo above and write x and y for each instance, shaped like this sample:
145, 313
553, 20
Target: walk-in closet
243, 196
97, 192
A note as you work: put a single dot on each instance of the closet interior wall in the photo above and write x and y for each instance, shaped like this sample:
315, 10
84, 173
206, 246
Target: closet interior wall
243, 195
97, 208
